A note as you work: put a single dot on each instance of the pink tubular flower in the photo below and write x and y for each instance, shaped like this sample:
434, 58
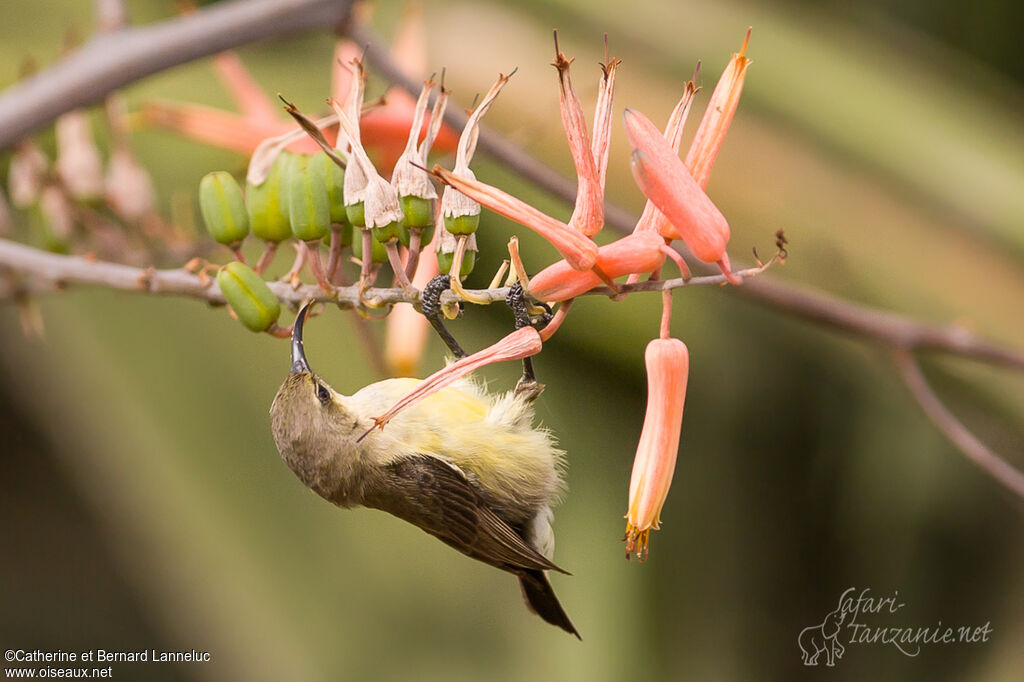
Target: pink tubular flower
642, 251
590, 157
668, 365
520, 344
668, 184
717, 117
580, 251
652, 218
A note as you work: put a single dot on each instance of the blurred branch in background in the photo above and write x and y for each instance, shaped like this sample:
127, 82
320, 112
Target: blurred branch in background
112, 60
952, 428
117, 58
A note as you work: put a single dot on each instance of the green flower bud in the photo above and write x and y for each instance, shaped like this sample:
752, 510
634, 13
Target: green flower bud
249, 296
223, 208
463, 224
378, 254
444, 262
308, 207
417, 212
389, 232
335, 178
268, 203
356, 214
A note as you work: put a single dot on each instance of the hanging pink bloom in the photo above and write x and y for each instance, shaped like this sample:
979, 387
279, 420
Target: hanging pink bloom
668, 366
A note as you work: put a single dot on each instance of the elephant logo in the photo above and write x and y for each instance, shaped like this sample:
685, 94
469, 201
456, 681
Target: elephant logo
823, 638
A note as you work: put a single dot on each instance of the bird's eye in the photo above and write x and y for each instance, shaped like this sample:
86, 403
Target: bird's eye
322, 394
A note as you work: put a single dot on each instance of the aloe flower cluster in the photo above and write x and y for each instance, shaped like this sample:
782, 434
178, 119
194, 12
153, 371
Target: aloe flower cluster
678, 209
303, 193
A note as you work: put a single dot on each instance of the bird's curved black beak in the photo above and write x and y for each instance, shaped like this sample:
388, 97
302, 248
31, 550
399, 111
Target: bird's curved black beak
299, 363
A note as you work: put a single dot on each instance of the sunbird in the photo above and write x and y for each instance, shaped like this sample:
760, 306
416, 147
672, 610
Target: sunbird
463, 465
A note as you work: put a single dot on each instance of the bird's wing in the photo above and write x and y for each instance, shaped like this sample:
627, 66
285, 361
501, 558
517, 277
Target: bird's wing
436, 496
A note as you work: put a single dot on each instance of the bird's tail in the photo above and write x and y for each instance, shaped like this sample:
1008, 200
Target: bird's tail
540, 598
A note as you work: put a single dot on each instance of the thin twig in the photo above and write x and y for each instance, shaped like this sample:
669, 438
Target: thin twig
958, 434
42, 272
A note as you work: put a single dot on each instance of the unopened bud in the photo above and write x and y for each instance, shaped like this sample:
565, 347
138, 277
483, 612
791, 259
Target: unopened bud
249, 296
267, 202
308, 206
334, 177
223, 208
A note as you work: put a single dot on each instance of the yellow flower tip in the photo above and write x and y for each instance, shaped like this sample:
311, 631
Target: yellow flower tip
637, 542
746, 40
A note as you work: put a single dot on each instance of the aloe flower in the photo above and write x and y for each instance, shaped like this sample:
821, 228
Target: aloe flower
668, 366
590, 157
664, 179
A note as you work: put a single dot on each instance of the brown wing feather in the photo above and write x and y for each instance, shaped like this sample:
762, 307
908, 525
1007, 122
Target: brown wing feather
436, 496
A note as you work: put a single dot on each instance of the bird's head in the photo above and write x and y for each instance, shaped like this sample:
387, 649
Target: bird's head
308, 417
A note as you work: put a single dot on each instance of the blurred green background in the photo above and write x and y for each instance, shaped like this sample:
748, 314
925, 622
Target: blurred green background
144, 504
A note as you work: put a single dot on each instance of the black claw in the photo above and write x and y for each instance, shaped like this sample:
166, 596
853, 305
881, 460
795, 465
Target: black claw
516, 300
430, 306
